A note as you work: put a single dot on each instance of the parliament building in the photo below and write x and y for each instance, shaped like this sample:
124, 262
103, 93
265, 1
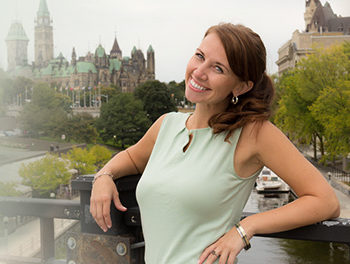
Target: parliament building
94, 69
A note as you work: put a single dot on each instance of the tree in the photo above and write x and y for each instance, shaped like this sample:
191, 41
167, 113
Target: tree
78, 127
44, 176
102, 155
124, 119
88, 161
293, 115
8, 189
156, 99
81, 160
45, 112
177, 91
315, 100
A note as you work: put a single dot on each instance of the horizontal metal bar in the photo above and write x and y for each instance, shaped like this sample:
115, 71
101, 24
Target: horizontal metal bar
48, 208
21, 260
333, 230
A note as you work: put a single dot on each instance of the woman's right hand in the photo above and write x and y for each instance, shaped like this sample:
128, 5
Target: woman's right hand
103, 192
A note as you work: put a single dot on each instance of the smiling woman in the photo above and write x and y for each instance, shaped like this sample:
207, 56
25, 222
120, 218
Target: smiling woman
199, 168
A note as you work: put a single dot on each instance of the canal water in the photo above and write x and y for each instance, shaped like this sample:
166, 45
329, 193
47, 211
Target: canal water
287, 251
264, 250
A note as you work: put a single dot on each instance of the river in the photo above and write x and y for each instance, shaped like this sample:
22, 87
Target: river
287, 251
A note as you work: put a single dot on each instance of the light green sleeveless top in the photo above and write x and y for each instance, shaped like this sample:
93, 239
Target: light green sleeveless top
189, 199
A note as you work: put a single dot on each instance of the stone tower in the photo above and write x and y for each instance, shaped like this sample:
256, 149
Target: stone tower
150, 62
310, 8
17, 46
43, 41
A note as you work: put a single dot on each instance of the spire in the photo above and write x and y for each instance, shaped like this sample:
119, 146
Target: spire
43, 10
116, 52
115, 47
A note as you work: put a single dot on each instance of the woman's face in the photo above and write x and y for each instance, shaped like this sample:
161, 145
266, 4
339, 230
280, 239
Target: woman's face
209, 78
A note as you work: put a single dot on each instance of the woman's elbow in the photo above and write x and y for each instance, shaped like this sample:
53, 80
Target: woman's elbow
336, 208
333, 205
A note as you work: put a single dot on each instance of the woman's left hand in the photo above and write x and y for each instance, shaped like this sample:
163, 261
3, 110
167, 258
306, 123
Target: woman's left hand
226, 248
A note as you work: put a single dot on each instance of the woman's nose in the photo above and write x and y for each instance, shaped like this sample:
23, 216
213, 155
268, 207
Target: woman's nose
201, 72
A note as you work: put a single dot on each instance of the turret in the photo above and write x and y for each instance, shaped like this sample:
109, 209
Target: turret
17, 46
74, 57
43, 41
150, 61
310, 8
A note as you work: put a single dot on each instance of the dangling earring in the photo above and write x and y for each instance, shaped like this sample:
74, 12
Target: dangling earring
235, 99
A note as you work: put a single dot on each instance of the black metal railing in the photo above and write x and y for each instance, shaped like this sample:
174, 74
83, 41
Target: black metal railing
124, 243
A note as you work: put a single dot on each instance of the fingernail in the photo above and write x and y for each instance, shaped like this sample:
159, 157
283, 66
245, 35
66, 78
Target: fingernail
109, 226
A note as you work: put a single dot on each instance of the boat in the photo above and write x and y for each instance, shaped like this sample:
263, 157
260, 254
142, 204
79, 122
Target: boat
269, 182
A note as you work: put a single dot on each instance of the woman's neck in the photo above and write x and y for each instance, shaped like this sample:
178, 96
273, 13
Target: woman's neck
202, 114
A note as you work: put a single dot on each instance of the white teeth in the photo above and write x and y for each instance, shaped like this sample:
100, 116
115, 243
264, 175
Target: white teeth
197, 86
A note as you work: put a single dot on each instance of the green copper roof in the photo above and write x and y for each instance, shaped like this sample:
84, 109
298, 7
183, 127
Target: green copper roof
133, 50
16, 32
85, 67
47, 70
43, 10
126, 58
150, 49
100, 51
114, 64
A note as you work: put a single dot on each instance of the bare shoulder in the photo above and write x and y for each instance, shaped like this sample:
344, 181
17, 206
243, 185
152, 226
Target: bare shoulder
152, 133
142, 150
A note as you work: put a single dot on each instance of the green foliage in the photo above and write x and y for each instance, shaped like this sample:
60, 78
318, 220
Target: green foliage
315, 100
44, 176
46, 111
88, 161
102, 155
177, 91
81, 160
79, 128
156, 99
124, 119
8, 189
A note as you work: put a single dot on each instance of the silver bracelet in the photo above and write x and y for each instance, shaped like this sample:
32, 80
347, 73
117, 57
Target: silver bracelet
101, 174
244, 237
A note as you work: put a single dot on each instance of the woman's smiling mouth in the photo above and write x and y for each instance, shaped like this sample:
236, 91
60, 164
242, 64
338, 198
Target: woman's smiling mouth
196, 87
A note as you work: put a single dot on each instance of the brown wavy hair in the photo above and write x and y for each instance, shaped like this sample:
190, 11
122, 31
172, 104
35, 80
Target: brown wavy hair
246, 55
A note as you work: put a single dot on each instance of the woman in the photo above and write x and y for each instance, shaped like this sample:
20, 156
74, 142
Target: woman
199, 169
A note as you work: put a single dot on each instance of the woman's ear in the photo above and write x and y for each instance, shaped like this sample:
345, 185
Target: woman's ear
243, 88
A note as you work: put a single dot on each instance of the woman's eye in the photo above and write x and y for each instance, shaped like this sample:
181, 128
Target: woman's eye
219, 69
200, 56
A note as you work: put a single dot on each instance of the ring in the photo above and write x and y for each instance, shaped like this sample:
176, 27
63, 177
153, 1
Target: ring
214, 253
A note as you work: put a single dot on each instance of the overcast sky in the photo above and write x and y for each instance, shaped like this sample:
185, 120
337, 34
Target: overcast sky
173, 28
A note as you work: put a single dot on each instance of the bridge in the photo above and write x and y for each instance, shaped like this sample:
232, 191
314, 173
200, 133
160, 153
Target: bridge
123, 243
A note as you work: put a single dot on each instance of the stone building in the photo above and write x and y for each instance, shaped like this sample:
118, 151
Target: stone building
17, 50
322, 28
93, 69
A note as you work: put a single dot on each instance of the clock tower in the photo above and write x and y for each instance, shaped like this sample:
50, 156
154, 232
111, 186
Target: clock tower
43, 41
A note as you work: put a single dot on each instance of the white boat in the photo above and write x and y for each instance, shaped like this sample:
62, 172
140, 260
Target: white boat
269, 182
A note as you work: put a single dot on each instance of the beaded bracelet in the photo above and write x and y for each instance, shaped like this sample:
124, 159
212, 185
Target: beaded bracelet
244, 237
101, 174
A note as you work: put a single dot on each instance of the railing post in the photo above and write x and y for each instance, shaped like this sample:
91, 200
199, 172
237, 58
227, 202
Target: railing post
47, 239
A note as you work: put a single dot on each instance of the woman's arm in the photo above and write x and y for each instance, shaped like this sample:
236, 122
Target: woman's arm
127, 162
316, 198
317, 201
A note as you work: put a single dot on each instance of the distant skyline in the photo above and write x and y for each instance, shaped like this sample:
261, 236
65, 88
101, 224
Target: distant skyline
173, 28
